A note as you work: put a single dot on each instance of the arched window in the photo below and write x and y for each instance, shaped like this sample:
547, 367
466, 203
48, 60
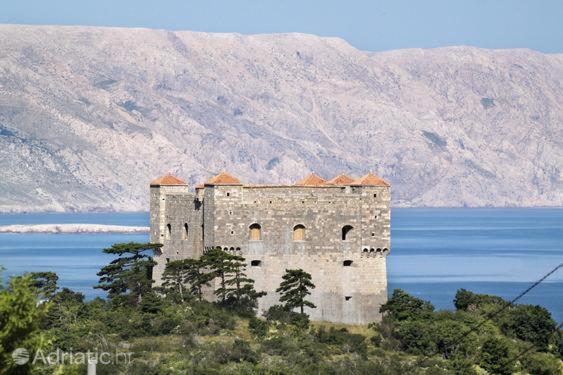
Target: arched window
346, 232
255, 232
168, 231
299, 233
185, 232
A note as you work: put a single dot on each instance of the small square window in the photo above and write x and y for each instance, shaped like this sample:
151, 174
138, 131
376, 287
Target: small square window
373, 234
228, 194
232, 232
375, 195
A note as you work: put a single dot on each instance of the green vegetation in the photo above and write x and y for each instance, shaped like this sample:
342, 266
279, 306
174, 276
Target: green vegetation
294, 289
173, 330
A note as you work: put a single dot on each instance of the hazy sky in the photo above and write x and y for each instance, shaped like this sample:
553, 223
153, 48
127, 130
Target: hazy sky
368, 25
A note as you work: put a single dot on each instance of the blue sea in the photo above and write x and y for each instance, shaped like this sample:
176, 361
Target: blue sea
434, 252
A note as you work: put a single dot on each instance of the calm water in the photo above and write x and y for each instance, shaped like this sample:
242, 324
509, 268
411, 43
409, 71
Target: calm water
434, 252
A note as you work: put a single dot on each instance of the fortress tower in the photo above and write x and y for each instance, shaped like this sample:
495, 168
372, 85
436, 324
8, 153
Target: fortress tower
336, 230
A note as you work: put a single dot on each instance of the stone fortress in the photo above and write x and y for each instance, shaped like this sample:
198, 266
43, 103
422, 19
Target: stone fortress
336, 230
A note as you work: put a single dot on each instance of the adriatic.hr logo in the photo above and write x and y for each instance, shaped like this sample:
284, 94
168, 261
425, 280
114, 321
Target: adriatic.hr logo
20, 356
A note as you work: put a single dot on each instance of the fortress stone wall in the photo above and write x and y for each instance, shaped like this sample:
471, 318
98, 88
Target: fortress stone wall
337, 230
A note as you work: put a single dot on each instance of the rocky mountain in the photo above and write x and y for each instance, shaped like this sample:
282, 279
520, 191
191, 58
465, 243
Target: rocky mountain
88, 116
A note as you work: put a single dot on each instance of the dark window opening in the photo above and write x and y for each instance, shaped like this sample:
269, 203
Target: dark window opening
373, 234
225, 249
365, 250
375, 195
346, 232
385, 249
347, 263
167, 260
348, 298
256, 263
371, 250
232, 249
238, 248
185, 232
168, 231
232, 232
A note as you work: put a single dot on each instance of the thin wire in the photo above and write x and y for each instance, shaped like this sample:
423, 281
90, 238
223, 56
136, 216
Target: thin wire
464, 335
529, 348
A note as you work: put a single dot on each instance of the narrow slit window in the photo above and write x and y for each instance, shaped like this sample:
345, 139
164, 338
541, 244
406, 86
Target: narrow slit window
185, 232
168, 231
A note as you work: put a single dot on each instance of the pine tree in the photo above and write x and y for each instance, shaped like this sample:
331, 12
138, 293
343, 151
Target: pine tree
183, 277
45, 283
294, 288
129, 276
235, 288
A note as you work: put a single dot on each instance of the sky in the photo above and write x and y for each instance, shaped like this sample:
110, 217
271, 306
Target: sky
370, 25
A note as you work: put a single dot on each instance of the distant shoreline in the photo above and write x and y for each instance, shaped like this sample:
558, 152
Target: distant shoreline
71, 228
7, 213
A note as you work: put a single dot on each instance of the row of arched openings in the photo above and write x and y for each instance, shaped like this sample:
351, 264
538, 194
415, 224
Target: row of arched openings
372, 250
298, 232
255, 233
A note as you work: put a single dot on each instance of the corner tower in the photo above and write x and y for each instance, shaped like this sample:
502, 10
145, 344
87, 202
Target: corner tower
160, 228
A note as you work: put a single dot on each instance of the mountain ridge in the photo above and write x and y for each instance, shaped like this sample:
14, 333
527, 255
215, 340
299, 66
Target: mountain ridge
89, 115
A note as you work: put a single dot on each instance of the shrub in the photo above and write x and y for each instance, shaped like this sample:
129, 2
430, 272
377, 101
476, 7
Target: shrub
258, 327
469, 301
541, 364
530, 323
282, 315
347, 342
403, 306
496, 356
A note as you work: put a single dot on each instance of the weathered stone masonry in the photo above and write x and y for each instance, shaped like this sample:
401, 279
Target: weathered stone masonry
337, 230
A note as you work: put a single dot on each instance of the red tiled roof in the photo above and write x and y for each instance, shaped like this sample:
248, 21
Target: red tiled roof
223, 178
340, 180
311, 180
369, 180
167, 179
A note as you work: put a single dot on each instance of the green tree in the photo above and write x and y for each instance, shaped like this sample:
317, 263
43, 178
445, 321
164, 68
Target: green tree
183, 277
468, 301
235, 288
45, 283
295, 288
530, 323
496, 356
66, 308
128, 277
20, 317
403, 306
